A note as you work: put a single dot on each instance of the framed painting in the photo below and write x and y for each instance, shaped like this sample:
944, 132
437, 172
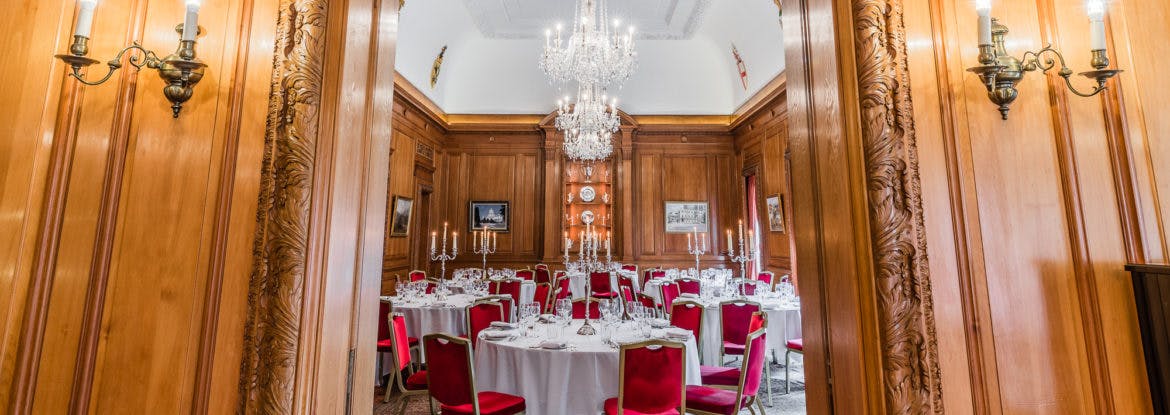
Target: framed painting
495, 215
776, 213
683, 217
400, 219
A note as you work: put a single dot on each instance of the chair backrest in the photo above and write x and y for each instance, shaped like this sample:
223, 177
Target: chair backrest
689, 285
559, 294
627, 294
506, 301
541, 266
563, 282
669, 294
431, 285
450, 376
786, 278
400, 345
736, 319
647, 301
579, 308
652, 377
657, 273
758, 321
599, 282
480, 315
542, 295
752, 372
688, 315
748, 287
509, 287
417, 275
630, 267
624, 281
543, 275
766, 276
526, 274
383, 320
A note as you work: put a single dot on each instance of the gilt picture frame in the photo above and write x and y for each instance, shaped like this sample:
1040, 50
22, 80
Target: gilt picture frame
403, 209
496, 215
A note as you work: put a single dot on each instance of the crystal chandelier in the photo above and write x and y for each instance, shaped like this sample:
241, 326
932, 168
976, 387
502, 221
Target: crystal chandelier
588, 125
593, 54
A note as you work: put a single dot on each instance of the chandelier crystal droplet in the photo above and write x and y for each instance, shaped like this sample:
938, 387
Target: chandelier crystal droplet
594, 58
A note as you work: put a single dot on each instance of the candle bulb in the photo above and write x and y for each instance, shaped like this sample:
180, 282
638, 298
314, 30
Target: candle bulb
730, 248
433, 234
983, 7
1096, 9
84, 18
454, 243
191, 24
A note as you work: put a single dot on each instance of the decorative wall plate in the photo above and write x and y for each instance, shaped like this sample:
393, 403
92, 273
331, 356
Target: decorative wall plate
587, 217
588, 194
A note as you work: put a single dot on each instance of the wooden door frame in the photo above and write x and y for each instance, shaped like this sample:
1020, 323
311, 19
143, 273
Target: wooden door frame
857, 214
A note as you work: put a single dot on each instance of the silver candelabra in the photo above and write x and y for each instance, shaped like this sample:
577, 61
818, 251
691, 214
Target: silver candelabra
697, 246
483, 243
747, 252
442, 256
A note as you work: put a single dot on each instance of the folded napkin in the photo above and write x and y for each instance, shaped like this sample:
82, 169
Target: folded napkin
677, 333
689, 295
495, 334
503, 325
659, 323
547, 318
552, 344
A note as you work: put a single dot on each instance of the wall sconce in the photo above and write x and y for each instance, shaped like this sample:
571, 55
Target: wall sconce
1001, 72
180, 70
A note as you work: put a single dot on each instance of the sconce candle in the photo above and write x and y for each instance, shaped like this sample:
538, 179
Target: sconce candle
1096, 9
191, 23
84, 18
983, 7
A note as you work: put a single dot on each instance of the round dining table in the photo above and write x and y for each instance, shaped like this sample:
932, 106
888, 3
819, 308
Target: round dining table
427, 314
783, 325
574, 380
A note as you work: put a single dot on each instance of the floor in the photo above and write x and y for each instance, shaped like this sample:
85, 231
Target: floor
782, 404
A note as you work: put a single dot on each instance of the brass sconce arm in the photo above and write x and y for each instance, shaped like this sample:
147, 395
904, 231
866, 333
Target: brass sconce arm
1001, 72
180, 70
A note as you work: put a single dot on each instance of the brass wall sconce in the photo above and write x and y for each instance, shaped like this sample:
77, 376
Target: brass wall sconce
1000, 72
180, 70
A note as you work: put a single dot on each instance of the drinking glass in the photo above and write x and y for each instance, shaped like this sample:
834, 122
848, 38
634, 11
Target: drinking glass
565, 310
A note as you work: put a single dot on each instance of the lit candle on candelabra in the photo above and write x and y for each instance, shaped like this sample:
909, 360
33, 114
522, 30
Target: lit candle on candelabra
1096, 9
983, 7
730, 247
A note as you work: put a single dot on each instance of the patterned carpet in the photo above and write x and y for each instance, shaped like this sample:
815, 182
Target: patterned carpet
782, 404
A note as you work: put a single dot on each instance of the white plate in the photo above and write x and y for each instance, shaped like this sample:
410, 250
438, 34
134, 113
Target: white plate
588, 194
587, 217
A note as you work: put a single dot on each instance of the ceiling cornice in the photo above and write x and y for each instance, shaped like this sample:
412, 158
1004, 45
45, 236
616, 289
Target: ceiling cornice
774, 88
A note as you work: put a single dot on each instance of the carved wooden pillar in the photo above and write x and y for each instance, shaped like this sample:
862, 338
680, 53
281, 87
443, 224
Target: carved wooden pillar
857, 212
624, 198
554, 216
319, 235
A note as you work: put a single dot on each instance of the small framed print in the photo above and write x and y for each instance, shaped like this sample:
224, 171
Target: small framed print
683, 217
776, 213
495, 215
400, 220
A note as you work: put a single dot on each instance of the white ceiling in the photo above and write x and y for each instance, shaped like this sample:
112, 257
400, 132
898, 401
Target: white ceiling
685, 60
528, 19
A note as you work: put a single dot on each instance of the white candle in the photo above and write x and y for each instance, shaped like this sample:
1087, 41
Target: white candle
983, 7
455, 243
751, 242
689, 247
191, 24
730, 248
433, 234
495, 240
703, 244
547, 38
84, 18
1096, 9
474, 239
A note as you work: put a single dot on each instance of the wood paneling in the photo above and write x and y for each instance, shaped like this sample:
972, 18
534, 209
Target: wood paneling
762, 146
129, 233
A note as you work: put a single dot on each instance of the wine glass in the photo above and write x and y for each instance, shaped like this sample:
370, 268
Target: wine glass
565, 311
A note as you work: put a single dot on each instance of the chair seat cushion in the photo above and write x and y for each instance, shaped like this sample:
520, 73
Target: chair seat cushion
796, 344
490, 403
384, 345
733, 349
417, 381
412, 341
714, 400
719, 375
611, 407
610, 294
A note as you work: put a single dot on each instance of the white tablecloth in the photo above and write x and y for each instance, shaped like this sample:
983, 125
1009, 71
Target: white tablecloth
553, 382
783, 325
425, 316
577, 282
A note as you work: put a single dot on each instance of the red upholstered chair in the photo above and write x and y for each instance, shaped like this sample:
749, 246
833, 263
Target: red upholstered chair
688, 315
708, 400
647, 301
384, 339
626, 282
562, 283
630, 267
543, 275
736, 322
627, 295
417, 275
601, 286
656, 273
689, 286
506, 301
542, 296
454, 388
431, 285
728, 377
509, 287
747, 287
767, 277
669, 294
480, 315
559, 294
793, 346
416, 383
651, 379
579, 308
526, 274
541, 266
